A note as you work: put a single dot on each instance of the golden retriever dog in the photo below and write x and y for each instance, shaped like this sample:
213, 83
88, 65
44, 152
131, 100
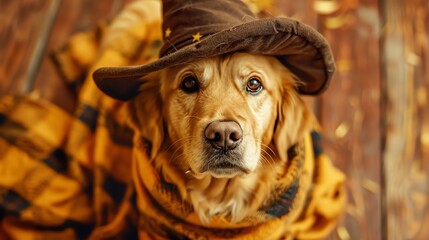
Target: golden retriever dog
226, 123
224, 146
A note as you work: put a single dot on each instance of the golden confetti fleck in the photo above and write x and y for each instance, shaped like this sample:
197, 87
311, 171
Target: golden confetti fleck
338, 21
342, 130
352, 211
422, 96
257, 6
167, 32
424, 139
370, 185
344, 65
413, 59
343, 234
325, 6
197, 37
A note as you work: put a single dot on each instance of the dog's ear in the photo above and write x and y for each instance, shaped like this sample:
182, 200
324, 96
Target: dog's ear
145, 113
294, 119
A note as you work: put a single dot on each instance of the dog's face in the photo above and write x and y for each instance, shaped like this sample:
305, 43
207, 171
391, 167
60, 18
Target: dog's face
221, 111
220, 115
224, 118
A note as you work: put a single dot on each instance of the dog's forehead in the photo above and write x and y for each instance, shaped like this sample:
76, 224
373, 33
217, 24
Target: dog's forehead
238, 62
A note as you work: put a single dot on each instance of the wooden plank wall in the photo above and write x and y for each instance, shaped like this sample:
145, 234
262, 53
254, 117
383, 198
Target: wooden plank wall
350, 111
374, 115
21, 27
406, 119
22, 23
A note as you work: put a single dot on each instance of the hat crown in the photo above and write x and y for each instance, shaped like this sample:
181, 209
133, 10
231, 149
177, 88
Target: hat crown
188, 21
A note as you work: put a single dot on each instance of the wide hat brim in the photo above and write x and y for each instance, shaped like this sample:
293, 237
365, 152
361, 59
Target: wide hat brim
298, 46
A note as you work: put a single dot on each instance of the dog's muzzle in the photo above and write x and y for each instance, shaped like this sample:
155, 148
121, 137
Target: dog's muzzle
223, 155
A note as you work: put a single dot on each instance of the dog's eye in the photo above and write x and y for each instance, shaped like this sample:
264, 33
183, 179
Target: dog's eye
189, 84
254, 86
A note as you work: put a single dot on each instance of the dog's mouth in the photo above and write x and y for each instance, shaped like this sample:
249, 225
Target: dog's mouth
224, 168
219, 169
227, 166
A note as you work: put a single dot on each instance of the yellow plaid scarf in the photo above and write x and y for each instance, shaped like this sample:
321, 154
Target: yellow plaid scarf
83, 176
165, 215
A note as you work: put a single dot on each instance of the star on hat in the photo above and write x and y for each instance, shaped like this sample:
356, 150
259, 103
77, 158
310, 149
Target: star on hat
167, 32
197, 37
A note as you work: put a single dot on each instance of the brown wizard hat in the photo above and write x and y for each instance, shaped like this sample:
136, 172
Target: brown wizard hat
204, 28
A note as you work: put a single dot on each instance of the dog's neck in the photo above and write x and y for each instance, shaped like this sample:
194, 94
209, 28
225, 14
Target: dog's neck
227, 197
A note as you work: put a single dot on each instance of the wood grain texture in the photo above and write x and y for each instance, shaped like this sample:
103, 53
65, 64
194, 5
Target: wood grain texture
350, 110
405, 101
21, 25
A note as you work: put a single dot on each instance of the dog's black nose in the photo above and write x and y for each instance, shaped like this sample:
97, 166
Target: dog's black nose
224, 135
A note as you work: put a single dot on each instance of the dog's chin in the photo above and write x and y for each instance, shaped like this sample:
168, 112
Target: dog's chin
224, 170
227, 172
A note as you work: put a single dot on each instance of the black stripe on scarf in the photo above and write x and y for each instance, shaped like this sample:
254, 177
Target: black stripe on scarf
12, 130
88, 115
113, 187
119, 134
58, 160
317, 143
12, 203
283, 204
2, 118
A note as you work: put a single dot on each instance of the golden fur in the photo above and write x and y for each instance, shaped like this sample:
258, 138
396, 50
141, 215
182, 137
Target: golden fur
272, 121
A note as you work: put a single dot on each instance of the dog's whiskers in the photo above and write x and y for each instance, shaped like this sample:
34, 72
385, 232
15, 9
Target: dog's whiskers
267, 153
264, 159
270, 155
178, 141
266, 162
268, 147
174, 156
182, 161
